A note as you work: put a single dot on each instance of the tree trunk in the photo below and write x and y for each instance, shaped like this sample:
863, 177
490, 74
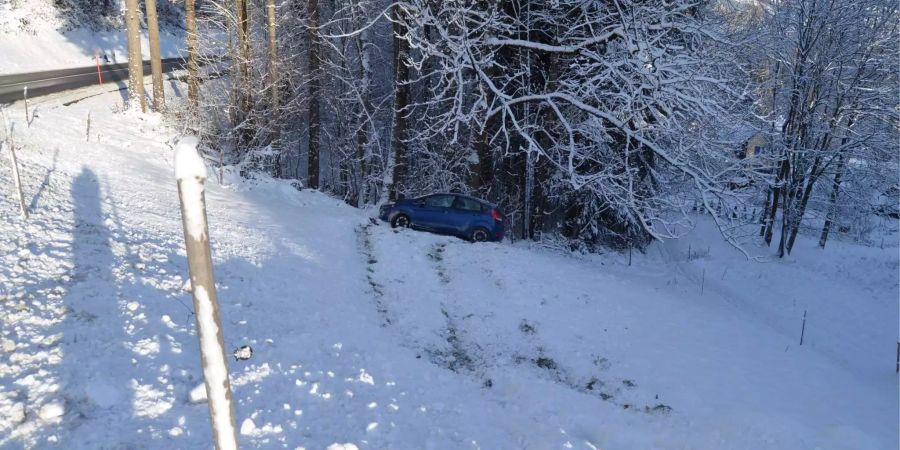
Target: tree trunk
832, 200
482, 172
764, 213
835, 186
273, 54
776, 193
529, 195
804, 200
159, 101
314, 92
401, 102
787, 212
135, 59
193, 66
243, 83
363, 140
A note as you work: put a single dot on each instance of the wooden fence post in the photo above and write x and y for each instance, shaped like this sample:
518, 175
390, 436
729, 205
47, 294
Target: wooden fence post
190, 172
15, 166
25, 94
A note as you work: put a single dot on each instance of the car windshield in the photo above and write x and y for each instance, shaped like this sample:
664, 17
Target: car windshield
467, 204
439, 201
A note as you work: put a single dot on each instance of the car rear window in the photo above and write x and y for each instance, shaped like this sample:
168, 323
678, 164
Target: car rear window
439, 201
467, 204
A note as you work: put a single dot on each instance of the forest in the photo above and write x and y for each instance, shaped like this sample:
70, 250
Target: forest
593, 124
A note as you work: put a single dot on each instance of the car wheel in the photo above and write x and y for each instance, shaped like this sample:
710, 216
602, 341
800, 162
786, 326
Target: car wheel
479, 235
400, 221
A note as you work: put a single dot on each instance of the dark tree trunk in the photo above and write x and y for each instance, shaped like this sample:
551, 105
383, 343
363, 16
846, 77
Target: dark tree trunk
835, 189
832, 200
765, 212
776, 192
312, 176
804, 200
401, 101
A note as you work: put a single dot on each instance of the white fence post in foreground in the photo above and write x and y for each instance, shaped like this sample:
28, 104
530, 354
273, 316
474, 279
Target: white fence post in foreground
190, 171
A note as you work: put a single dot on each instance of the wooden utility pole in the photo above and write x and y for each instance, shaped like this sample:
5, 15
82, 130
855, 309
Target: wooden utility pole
135, 59
193, 65
190, 173
159, 101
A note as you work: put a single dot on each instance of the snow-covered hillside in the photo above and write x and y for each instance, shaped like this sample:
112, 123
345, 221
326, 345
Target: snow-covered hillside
384, 339
36, 36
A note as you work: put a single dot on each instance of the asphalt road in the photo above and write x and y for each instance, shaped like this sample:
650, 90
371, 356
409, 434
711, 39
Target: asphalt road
50, 81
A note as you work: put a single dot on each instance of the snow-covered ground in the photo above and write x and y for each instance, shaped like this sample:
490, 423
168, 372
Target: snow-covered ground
385, 339
33, 38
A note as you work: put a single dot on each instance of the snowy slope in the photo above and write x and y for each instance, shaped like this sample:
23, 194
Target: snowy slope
33, 37
406, 340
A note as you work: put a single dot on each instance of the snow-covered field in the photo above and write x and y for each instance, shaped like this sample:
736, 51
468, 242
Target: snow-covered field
405, 340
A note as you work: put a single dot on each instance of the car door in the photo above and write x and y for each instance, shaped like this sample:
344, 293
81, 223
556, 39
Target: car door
465, 214
434, 212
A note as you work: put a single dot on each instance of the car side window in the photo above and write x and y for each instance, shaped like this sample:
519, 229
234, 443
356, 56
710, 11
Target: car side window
467, 204
439, 201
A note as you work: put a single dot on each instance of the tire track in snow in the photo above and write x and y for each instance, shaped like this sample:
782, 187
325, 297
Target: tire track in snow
364, 236
538, 357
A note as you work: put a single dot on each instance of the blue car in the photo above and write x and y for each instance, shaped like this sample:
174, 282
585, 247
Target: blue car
453, 214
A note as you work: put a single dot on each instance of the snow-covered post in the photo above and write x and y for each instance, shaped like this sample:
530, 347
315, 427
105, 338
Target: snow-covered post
25, 94
190, 172
15, 169
15, 165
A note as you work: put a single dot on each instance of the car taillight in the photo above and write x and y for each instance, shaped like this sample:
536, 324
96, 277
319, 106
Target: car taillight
496, 215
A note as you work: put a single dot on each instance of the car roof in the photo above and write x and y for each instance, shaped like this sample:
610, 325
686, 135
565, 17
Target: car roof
485, 202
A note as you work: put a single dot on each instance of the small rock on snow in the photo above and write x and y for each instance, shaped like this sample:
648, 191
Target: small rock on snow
198, 394
17, 413
248, 427
52, 411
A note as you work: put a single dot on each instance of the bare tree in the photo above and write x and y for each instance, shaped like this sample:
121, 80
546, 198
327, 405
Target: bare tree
838, 80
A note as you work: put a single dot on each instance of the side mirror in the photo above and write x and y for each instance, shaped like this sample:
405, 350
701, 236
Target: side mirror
420, 203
